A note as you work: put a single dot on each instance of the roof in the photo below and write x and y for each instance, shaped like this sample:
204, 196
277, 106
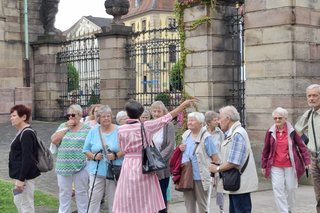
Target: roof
149, 5
101, 22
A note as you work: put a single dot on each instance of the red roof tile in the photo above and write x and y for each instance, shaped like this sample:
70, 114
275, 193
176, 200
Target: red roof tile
149, 5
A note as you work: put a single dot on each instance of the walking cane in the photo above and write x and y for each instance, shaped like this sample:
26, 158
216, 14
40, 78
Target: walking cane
209, 193
94, 180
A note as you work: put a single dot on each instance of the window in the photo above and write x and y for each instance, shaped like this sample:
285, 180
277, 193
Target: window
172, 53
144, 54
172, 22
133, 27
144, 25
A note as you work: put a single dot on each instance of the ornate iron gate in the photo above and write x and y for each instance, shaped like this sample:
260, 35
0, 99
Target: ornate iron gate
155, 56
235, 27
81, 57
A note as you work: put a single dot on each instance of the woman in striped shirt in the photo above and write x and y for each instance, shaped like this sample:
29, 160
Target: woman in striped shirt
71, 161
137, 192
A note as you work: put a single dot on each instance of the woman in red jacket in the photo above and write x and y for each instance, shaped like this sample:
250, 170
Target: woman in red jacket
284, 159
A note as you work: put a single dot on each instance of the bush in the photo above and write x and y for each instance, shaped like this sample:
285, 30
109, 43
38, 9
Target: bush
73, 78
164, 97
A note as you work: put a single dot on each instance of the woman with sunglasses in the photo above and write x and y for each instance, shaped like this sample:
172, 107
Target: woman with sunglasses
70, 137
284, 159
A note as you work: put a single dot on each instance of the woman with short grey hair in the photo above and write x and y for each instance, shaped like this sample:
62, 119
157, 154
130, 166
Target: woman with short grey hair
212, 121
198, 147
121, 117
106, 150
284, 158
71, 162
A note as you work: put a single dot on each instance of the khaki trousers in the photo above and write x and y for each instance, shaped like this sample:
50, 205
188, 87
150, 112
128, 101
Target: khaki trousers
25, 201
196, 196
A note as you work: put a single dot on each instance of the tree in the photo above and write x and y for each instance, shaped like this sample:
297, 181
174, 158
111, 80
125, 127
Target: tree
73, 78
164, 97
94, 99
175, 76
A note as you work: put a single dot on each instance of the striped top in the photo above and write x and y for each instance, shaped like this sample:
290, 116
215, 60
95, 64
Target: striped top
70, 158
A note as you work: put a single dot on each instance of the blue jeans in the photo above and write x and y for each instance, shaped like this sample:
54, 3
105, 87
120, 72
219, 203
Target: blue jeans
240, 203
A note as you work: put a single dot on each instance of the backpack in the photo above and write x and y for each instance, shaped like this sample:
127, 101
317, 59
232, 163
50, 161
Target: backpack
45, 158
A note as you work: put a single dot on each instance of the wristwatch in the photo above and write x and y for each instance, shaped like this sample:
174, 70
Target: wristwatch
218, 169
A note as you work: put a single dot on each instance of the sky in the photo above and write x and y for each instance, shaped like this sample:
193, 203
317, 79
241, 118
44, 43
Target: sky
70, 11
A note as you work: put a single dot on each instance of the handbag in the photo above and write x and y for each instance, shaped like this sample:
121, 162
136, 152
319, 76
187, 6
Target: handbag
231, 178
151, 157
113, 170
186, 179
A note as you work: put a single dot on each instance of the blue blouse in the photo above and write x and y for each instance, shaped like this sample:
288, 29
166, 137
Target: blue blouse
93, 144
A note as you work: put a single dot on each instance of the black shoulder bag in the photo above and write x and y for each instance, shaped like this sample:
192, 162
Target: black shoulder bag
231, 178
151, 157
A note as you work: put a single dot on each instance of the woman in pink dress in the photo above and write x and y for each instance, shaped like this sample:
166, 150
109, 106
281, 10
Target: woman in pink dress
137, 192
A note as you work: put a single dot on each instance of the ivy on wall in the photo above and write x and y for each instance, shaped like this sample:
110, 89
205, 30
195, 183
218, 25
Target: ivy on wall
180, 6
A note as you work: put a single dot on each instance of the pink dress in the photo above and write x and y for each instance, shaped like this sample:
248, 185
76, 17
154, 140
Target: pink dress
137, 192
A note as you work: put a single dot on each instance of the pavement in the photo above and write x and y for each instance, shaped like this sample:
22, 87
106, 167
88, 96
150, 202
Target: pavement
262, 201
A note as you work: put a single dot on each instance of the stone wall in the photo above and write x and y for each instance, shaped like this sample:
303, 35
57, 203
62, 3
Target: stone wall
10, 97
282, 53
12, 50
209, 67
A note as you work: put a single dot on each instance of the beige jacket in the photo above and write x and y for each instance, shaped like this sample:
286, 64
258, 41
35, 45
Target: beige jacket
249, 178
203, 159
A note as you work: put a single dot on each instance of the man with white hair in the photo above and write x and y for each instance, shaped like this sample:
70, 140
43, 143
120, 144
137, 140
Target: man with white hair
310, 121
236, 153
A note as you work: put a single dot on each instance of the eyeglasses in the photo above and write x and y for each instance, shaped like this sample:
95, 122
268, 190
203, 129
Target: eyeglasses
72, 115
277, 118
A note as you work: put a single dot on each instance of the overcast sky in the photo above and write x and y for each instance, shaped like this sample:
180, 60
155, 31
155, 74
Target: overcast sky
70, 11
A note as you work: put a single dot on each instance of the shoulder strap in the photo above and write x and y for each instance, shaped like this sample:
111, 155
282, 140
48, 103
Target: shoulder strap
28, 128
103, 142
313, 131
245, 164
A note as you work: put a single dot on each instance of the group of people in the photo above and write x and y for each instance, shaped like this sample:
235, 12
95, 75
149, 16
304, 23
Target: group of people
214, 143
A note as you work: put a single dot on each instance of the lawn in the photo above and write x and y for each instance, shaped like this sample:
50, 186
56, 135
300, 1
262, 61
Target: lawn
43, 202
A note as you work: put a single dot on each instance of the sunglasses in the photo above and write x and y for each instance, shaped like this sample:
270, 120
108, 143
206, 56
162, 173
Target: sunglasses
72, 115
277, 118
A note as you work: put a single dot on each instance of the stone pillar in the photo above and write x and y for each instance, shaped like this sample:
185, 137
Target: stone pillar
282, 54
49, 78
209, 68
114, 67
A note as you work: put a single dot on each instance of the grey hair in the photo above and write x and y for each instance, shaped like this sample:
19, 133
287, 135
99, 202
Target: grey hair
281, 111
313, 86
120, 116
103, 109
76, 108
210, 115
231, 112
198, 116
159, 104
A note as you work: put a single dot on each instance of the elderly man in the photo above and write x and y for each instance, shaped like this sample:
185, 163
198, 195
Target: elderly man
310, 121
235, 153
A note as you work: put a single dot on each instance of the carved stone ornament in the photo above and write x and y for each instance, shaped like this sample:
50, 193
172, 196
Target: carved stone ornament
117, 8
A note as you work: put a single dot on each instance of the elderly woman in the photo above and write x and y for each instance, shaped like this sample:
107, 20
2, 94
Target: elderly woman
22, 167
145, 116
164, 140
99, 160
121, 117
197, 146
212, 121
91, 118
284, 159
70, 164
137, 192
